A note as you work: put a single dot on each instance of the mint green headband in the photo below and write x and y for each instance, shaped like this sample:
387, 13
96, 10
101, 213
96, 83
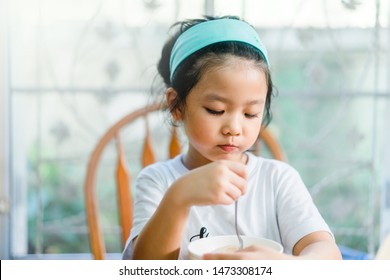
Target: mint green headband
211, 32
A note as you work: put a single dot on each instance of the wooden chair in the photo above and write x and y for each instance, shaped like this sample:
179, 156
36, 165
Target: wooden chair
123, 179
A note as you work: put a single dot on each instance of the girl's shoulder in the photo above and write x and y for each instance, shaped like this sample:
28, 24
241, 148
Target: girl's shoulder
278, 174
269, 166
173, 167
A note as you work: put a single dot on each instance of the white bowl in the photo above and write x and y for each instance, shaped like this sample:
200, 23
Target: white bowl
198, 248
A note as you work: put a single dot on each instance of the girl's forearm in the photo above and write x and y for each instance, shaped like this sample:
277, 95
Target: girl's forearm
322, 250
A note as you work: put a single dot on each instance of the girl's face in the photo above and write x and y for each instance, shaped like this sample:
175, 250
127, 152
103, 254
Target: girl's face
223, 112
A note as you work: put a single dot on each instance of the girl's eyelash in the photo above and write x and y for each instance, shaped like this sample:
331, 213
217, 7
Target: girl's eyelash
217, 113
214, 112
251, 115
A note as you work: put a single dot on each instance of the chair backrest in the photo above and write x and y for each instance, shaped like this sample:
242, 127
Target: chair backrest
123, 177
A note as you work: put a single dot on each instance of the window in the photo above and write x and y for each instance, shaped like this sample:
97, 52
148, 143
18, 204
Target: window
75, 68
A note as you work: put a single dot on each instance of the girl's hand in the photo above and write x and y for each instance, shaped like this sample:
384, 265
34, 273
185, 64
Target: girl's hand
219, 182
254, 252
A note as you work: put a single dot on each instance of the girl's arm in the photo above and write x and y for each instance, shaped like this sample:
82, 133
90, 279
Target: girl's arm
317, 245
314, 246
220, 182
161, 236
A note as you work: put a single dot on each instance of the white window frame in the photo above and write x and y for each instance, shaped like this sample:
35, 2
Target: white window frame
385, 191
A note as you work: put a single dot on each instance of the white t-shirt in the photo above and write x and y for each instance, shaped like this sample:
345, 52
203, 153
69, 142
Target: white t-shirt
276, 205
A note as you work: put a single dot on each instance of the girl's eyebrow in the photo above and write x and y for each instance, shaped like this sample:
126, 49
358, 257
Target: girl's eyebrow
217, 97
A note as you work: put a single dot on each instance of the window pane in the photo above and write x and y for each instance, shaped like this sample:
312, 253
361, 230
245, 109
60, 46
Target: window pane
76, 67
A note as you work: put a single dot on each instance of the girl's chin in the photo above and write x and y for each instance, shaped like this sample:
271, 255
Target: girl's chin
229, 156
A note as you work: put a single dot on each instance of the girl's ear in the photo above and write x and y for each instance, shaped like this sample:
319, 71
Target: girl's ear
171, 98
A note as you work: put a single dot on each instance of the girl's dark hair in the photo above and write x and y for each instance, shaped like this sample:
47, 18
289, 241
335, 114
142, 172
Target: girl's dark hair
189, 72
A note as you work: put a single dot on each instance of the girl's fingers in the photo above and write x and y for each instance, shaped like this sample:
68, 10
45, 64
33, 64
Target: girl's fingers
221, 182
230, 256
233, 192
231, 176
239, 184
237, 167
235, 174
251, 252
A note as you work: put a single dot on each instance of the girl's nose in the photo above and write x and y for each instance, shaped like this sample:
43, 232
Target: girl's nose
232, 127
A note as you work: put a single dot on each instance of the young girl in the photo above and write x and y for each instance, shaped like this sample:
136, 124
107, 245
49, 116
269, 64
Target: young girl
219, 90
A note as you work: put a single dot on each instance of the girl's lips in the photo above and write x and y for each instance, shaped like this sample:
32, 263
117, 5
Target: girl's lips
228, 148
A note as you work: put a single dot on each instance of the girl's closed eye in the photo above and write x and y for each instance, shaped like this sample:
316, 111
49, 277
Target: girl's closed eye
251, 116
214, 112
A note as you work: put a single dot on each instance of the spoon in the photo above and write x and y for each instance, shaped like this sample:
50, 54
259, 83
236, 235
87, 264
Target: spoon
241, 243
